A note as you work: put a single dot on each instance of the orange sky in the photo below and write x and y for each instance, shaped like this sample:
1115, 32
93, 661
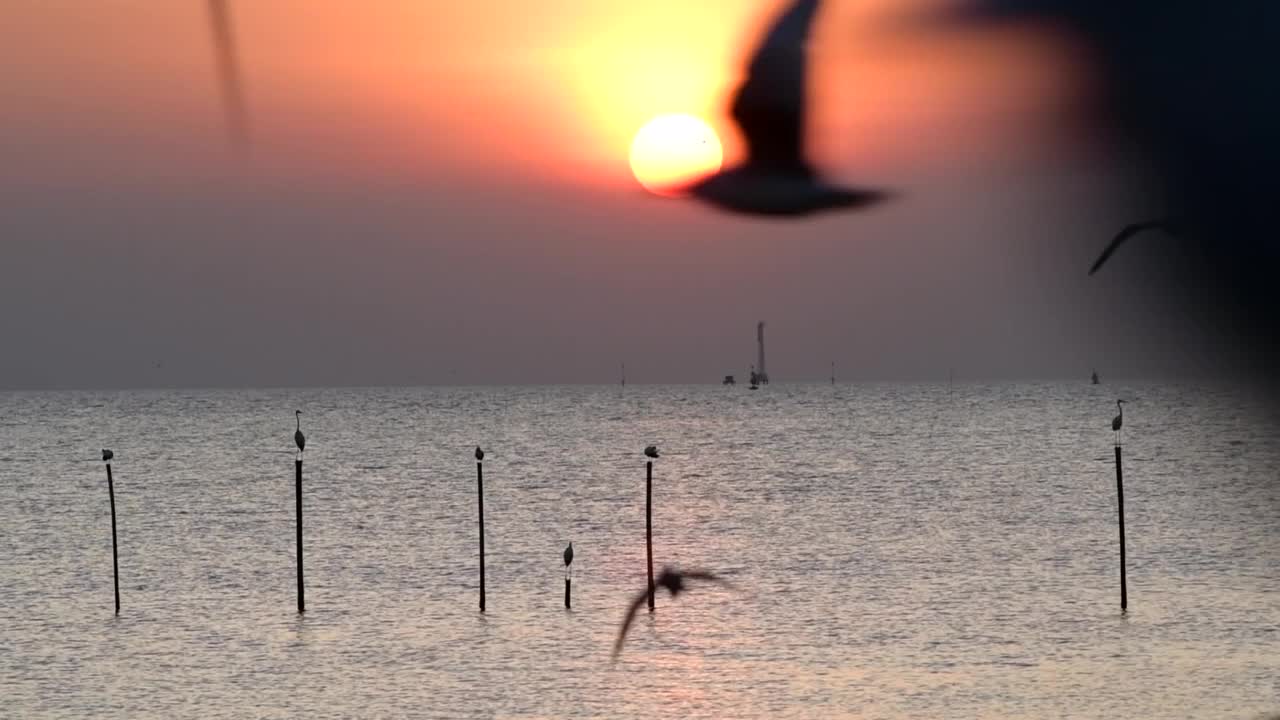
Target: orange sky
406, 87
434, 183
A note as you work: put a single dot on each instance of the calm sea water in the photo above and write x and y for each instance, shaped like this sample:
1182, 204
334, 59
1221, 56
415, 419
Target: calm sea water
898, 551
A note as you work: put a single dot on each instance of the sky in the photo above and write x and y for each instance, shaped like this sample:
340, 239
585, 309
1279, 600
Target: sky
439, 193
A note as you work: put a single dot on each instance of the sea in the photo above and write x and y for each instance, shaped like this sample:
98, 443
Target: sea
891, 551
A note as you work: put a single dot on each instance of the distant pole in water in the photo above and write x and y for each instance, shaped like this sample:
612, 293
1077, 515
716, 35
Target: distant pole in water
480, 503
1116, 424
833, 372
297, 496
1124, 587
301, 441
624, 374
762, 374
107, 455
652, 453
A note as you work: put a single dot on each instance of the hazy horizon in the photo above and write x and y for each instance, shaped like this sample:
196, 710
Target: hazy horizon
1232, 379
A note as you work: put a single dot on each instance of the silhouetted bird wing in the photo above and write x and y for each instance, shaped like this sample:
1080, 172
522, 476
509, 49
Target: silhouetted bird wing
1128, 232
229, 73
626, 622
770, 106
643, 595
705, 575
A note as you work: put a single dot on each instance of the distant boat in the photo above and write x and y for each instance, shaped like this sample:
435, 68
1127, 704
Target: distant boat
728, 380
1095, 377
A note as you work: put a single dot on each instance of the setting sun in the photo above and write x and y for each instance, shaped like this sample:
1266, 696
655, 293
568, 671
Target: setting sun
671, 152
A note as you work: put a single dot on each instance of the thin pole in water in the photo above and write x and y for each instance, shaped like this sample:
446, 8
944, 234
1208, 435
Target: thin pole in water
648, 524
1124, 588
568, 603
115, 558
297, 499
480, 504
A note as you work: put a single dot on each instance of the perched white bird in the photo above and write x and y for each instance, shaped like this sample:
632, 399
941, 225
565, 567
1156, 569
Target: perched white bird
770, 109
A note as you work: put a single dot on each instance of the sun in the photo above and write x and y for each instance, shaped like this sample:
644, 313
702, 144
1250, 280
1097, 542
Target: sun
672, 152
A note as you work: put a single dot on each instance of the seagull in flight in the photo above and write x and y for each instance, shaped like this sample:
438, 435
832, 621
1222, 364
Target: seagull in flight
229, 76
769, 109
1129, 231
674, 581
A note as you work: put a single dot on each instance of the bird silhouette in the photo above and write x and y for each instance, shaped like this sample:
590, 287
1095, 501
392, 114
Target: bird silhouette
107, 455
769, 109
1117, 422
479, 454
298, 438
568, 558
1129, 231
674, 581
651, 451
229, 74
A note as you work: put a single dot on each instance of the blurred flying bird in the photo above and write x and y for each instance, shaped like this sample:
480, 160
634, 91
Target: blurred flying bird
1128, 232
674, 581
224, 48
1189, 86
770, 110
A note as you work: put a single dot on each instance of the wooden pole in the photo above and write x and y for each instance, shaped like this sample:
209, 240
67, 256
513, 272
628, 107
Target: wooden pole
1124, 588
115, 559
568, 604
297, 497
480, 502
648, 524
